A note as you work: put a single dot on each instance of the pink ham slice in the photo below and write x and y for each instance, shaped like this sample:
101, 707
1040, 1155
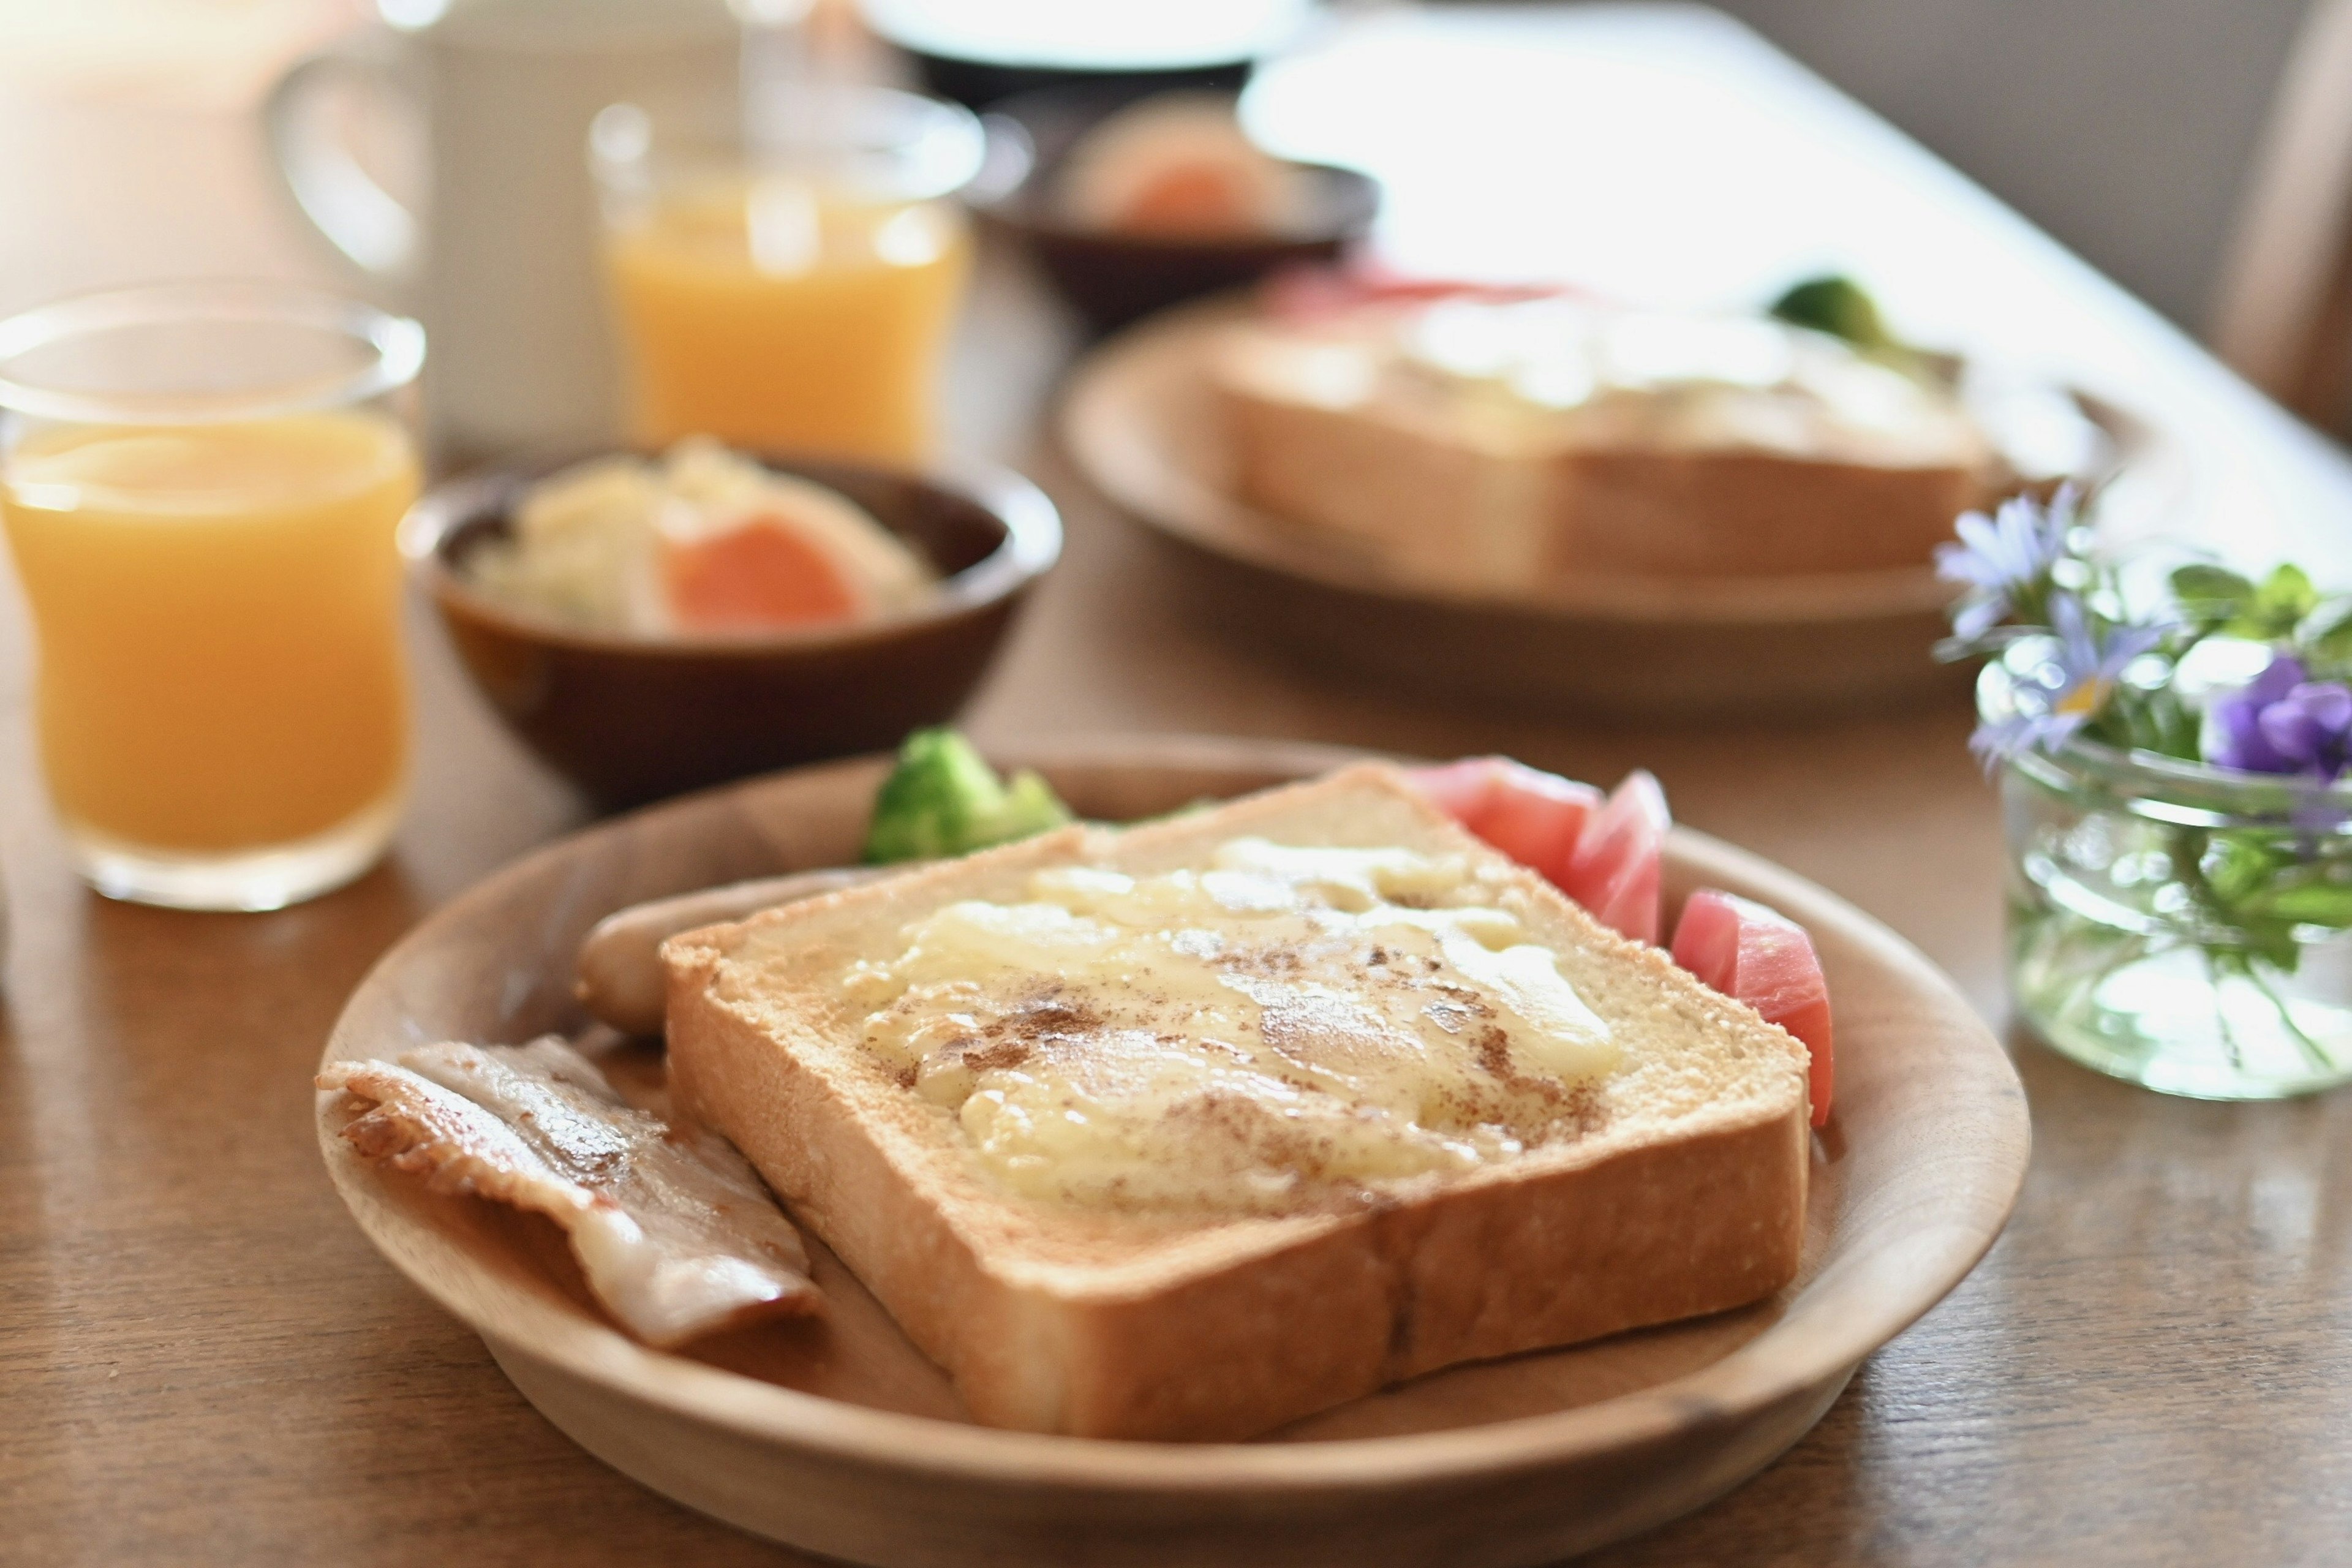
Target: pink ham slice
1609, 856
1614, 872
1760, 956
1535, 818
1461, 789
1606, 854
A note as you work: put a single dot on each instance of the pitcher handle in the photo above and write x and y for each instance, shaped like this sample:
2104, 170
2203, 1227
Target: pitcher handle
358, 216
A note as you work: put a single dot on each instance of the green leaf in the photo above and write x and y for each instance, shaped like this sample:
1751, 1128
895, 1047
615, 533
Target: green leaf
2277, 944
2289, 587
2314, 903
2240, 865
2278, 606
2324, 637
2210, 592
2258, 886
2272, 942
2180, 730
2143, 721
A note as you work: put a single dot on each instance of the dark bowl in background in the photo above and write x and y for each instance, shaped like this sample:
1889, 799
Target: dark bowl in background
1132, 49
982, 84
630, 719
1115, 278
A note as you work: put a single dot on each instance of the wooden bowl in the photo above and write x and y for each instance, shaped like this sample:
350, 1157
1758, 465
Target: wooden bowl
839, 1439
980, 84
1113, 279
630, 719
1140, 422
977, 55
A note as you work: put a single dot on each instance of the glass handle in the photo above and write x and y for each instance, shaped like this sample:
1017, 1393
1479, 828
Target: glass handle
342, 201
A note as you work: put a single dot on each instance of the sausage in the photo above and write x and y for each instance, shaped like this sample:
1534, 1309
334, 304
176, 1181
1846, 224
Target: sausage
619, 978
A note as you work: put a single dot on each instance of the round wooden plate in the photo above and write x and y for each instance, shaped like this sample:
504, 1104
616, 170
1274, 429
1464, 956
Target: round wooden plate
1139, 420
837, 1437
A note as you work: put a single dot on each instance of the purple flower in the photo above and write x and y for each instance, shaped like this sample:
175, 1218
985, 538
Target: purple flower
2284, 723
2005, 556
2064, 691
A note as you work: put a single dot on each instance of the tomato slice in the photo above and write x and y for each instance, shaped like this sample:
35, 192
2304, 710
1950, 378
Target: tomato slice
1616, 870
1760, 956
757, 577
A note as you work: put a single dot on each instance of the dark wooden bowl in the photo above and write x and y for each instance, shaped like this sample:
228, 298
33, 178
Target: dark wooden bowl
981, 84
630, 719
1114, 278
976, 66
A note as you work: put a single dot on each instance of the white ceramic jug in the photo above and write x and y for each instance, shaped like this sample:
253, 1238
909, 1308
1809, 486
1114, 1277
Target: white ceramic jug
500, 263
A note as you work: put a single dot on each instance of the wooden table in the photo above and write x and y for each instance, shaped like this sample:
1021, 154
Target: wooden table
202, 1361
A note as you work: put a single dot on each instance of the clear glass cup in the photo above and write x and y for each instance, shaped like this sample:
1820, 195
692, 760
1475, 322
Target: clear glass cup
201, 485
2184, 927
789, 283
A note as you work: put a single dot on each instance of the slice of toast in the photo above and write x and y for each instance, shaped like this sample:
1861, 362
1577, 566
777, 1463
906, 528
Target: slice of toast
1475, 491
1733, 513
1438, 497
1680, 1190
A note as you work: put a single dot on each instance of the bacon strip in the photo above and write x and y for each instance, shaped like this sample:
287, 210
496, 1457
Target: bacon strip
674, 1232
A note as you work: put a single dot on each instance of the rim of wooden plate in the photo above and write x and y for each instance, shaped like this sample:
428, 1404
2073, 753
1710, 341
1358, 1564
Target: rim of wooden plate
1852, 1307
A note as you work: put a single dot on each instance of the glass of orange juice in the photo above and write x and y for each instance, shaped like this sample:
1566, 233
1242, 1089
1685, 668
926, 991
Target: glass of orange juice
788, 284
202, 486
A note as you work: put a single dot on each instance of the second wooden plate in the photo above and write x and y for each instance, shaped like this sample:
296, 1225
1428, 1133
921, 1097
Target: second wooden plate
1142, 425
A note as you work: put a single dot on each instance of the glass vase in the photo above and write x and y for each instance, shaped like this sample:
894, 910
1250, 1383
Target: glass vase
2178, 925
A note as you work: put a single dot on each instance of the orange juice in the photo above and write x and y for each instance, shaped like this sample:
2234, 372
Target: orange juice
218, 610
772, 314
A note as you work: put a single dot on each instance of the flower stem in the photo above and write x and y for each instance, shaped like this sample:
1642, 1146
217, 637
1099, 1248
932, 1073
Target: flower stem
2216, 963
2314, 1052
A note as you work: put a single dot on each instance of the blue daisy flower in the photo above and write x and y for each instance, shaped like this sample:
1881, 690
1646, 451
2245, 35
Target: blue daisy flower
2065, 691
2005, 559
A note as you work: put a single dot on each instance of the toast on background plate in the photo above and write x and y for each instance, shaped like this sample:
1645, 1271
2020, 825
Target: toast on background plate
1502, 443
1187, 1130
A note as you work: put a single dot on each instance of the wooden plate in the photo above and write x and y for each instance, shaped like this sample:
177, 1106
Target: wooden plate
838, 1437
1140, 423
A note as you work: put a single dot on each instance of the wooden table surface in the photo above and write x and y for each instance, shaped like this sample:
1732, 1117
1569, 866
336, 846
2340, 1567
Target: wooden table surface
202, 1361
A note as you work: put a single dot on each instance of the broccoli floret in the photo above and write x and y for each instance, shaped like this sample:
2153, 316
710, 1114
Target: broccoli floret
943, 799
1838, 306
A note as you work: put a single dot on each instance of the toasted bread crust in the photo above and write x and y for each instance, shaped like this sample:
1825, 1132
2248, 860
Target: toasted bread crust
1427, 502
1435, 503
1112, 1325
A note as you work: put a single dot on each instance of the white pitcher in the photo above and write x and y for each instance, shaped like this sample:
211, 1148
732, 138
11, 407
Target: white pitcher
501, 265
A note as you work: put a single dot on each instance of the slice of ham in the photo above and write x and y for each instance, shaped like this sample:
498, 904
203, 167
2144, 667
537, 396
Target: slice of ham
1616, 870
1755, 954
1533, 816
1461, 789
1537, 819
672, 1230
1607, 854
1313, 294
